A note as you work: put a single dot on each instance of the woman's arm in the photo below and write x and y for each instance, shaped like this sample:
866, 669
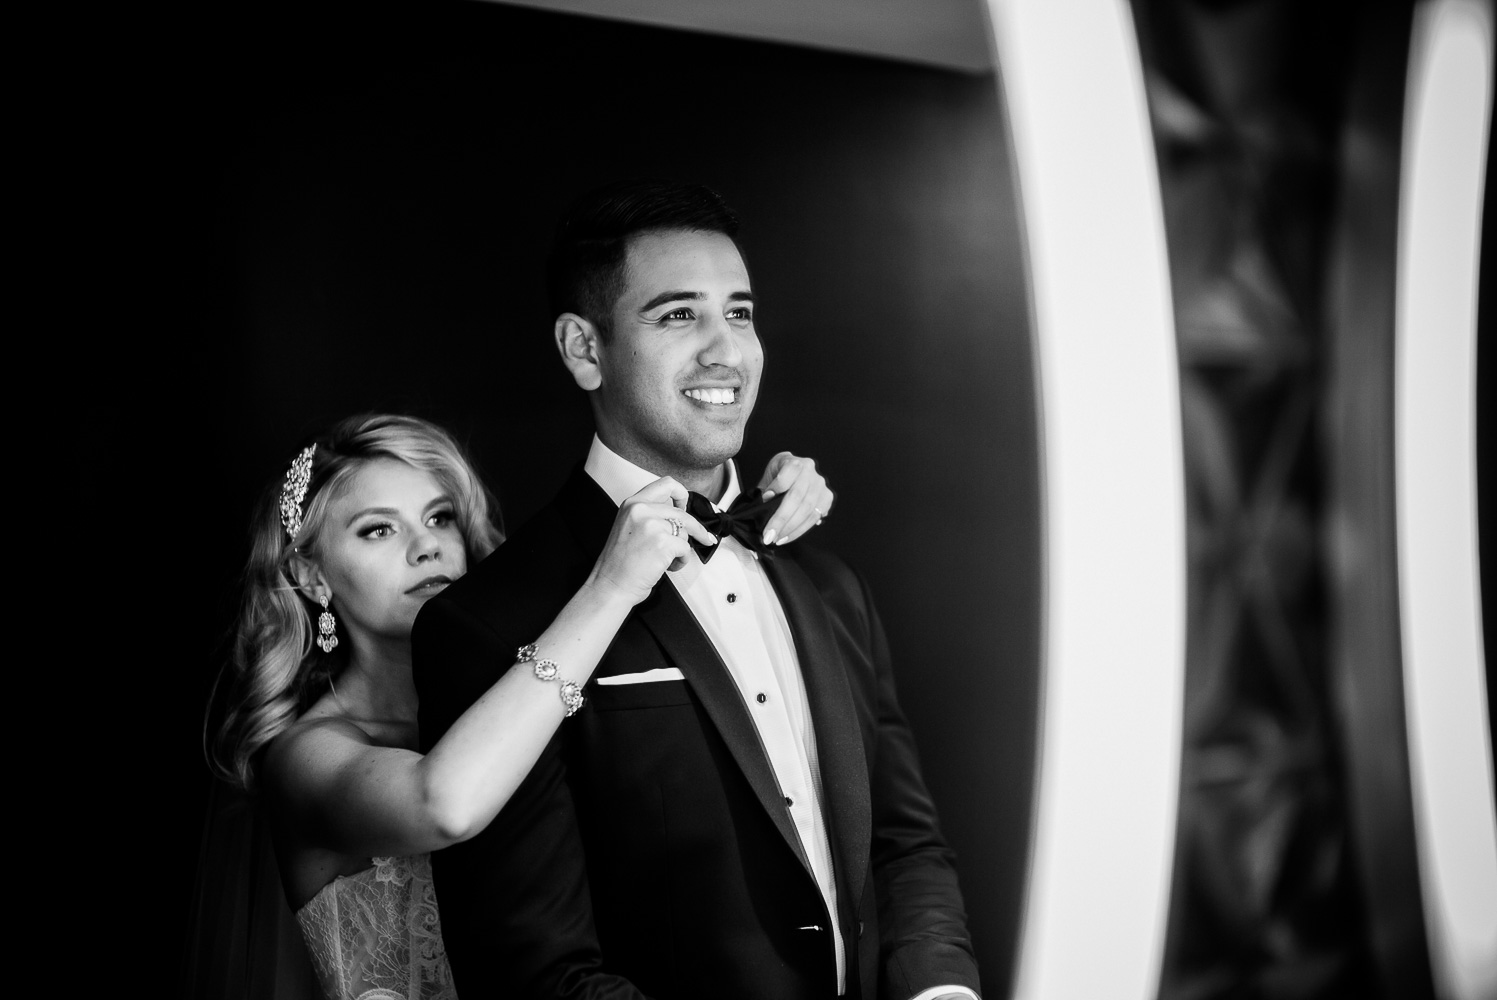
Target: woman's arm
340, 791
343, 792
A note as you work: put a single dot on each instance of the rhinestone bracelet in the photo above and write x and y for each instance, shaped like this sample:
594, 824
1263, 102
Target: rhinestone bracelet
547, 670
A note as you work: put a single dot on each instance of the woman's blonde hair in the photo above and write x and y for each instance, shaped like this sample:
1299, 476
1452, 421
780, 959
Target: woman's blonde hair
275, 672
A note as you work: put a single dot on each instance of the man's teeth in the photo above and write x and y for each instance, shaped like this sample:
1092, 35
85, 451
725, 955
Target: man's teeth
720, 397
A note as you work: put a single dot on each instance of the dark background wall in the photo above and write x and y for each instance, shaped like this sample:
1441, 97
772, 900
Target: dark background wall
359, 208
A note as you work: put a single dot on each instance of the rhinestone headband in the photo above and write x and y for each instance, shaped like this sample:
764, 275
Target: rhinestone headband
295, 490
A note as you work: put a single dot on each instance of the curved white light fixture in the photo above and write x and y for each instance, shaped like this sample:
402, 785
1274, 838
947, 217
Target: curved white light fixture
1114, 531
1447, 113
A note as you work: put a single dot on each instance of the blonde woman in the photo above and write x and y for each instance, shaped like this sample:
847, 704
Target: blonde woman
319, 709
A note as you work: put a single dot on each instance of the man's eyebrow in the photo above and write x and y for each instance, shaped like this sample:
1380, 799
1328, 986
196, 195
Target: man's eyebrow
665, 297
741, 297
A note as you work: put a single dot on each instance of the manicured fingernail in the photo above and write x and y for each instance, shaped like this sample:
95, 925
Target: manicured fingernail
769, 495
782, 541
769, 534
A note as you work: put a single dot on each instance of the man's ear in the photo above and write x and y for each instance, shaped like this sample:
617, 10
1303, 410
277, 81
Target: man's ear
309, 578
578, 341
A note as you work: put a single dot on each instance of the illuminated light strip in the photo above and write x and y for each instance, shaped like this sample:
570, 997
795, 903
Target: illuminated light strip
1098, 889
1445, 136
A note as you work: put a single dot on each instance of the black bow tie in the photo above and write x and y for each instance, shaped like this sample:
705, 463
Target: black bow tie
744, 520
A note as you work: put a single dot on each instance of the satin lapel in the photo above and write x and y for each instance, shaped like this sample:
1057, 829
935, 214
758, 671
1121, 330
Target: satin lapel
589, 514
665, 614
839, 740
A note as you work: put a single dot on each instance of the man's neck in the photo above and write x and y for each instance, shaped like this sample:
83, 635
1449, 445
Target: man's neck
709, 482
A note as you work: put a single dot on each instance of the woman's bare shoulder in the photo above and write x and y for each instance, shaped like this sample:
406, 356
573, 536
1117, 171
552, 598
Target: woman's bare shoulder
322, 738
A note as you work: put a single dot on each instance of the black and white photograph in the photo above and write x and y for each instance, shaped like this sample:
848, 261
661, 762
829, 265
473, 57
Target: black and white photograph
791, 499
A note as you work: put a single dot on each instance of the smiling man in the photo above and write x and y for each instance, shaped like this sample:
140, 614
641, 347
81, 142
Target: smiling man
737, 810
673, 366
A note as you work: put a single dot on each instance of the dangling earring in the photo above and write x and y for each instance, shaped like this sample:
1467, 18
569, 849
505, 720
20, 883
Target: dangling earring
327, 641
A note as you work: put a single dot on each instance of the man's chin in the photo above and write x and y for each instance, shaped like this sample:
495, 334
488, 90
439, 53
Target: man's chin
698, 461
714, 452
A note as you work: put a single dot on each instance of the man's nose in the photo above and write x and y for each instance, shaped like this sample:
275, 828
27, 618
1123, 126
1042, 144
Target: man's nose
722, 347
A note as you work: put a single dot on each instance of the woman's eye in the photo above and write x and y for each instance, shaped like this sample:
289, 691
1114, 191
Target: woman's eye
377, 531
441, 519
743, 314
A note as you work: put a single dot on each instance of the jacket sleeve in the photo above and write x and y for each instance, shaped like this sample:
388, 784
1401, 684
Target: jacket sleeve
922, 922
515, 906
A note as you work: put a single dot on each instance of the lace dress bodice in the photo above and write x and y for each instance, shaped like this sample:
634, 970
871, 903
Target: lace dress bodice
375, 935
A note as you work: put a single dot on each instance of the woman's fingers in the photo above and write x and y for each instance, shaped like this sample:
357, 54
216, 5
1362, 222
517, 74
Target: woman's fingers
692, 527
778, 474
650, 535
683, 528
807, 499
801, 518
663, 490
785, 474
661, 523
666, 498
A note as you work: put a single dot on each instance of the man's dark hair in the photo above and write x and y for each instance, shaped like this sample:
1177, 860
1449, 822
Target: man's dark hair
585, 269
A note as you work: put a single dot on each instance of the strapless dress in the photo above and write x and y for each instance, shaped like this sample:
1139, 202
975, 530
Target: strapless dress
375, 935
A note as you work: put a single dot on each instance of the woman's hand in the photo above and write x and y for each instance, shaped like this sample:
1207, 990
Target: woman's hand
807, 499
649, 536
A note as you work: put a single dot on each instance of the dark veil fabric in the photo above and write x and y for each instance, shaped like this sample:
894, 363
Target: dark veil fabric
243, 942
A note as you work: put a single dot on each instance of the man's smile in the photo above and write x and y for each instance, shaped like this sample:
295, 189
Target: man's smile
714, 396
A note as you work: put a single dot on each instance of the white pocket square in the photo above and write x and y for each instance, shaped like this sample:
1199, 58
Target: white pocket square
647, 677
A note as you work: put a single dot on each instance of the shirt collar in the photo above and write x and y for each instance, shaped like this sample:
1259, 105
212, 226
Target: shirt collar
621, 478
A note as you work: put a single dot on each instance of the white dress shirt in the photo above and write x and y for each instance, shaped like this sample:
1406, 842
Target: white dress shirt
732, 600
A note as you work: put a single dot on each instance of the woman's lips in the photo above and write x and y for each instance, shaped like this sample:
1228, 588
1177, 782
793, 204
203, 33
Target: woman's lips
430, 582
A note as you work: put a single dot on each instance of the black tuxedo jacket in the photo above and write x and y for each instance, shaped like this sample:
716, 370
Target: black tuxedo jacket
650, 850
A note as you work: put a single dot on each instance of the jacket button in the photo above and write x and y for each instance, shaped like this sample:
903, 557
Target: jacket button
761, 697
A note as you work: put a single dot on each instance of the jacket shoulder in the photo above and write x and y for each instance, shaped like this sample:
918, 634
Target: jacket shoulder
524, 577
827, 570
843, 588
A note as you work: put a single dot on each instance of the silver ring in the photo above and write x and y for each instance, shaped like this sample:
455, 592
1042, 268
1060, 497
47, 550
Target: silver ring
676, 526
